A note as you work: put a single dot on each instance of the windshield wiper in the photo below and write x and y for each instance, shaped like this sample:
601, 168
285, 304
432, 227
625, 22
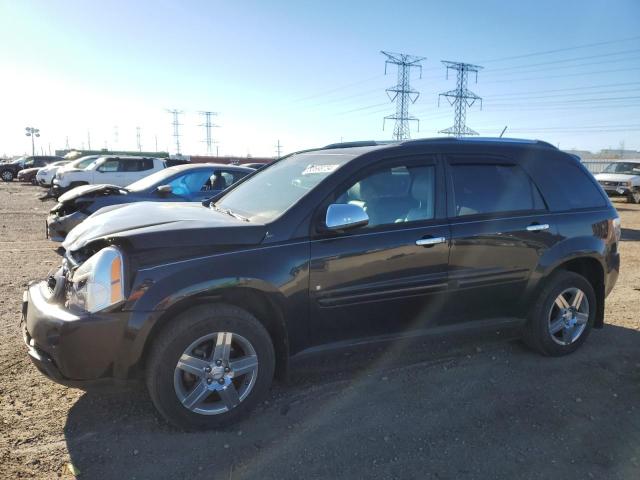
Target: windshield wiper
229, 212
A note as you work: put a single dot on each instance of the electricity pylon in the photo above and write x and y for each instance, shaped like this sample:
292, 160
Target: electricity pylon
460, 98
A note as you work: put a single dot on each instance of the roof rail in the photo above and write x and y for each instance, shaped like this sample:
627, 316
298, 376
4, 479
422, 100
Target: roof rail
361, 143
483, 139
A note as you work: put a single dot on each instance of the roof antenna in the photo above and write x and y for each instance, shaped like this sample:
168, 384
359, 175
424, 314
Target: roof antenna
503, 130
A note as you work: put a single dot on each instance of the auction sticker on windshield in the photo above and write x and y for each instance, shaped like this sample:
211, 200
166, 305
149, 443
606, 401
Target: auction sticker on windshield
311, 169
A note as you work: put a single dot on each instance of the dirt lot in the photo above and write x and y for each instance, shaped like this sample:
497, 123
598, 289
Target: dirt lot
467, 408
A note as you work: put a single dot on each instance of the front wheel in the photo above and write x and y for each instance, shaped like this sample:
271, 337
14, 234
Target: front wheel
7, 176
210, 366
634, 197
562, 316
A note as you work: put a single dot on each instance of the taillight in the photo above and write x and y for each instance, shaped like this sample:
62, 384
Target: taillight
617, 228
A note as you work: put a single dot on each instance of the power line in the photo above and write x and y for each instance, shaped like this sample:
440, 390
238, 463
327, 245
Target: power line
557, 50
461, 97
402, 93
208, 125
176, 127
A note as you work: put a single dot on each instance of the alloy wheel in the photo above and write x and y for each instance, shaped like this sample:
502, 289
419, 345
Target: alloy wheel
7, 176
568, 316
215, 373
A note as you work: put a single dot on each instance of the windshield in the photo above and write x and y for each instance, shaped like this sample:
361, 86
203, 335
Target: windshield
151, 180
18, 160
631, 168
272, 191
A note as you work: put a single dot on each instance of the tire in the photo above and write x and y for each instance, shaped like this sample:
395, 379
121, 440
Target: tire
545, 315
170, 386
7, 176
634, 197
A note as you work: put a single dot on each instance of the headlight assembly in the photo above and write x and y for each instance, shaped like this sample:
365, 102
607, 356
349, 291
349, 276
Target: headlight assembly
99, 282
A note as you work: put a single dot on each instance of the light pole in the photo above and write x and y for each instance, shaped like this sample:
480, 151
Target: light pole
32, 132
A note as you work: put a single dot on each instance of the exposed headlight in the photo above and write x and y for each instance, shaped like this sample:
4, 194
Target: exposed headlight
99, 282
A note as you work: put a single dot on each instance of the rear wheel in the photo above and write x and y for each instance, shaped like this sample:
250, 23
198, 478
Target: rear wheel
7, 176
210, 366
562, 316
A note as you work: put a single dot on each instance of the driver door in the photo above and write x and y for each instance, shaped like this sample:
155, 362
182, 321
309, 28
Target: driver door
390, 276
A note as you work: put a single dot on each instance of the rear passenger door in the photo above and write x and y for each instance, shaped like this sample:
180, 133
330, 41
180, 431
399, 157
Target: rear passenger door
133, 170
500, 226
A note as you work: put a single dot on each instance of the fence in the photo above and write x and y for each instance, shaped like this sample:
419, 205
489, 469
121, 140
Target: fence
596, 166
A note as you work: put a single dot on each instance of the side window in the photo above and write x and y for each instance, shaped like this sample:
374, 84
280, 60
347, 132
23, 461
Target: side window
395, 195
146, 164
130, 165
488, 188
566, 185
190, 183
110, 165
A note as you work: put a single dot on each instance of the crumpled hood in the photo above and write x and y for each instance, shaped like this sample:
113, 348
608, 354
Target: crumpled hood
164, 225
617, 177
91, 190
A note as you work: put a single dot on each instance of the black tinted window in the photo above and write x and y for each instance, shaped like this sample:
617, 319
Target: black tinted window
485, 188
566, 185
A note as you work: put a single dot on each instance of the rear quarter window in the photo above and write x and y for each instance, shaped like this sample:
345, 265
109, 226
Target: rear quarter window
565, 184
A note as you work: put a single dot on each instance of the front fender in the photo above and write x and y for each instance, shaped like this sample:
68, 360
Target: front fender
278, 273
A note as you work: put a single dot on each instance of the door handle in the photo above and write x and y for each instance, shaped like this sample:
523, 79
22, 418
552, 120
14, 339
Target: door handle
536, 227
431, 241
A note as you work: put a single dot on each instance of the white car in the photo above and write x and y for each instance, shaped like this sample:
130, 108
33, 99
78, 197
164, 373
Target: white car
621, 179
109, 170
46, 174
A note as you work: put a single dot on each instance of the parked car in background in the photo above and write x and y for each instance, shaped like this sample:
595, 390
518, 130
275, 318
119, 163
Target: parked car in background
45, 175
621, 179
28, 174
9, 170
112, 170
33, 164
326, 249
184, 183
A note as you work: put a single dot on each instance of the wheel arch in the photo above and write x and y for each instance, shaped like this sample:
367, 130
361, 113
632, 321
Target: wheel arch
262, 305
591, 268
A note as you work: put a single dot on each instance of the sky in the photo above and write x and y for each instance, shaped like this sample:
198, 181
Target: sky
308, 73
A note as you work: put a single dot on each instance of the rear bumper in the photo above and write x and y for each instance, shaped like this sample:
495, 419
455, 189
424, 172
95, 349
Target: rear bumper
72, 349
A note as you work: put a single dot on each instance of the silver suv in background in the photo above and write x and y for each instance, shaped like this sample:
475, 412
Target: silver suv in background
621, 179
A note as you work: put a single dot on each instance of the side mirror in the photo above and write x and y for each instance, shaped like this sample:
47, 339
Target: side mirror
344, 216
164, 189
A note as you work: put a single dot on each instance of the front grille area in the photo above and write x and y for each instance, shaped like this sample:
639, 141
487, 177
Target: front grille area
611, 184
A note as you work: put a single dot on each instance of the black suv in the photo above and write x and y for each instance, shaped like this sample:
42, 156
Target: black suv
323, 249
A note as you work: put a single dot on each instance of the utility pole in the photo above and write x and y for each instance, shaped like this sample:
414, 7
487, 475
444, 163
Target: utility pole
115, 137
89, 139
66, 144
138, 139
402, 93
176, 127
32, 132
279, 149
208, 125
460, 98
156, 137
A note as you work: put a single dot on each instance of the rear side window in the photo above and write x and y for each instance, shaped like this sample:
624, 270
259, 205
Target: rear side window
565, 185
489, 188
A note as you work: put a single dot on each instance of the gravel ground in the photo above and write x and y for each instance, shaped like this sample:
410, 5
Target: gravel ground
478, 407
